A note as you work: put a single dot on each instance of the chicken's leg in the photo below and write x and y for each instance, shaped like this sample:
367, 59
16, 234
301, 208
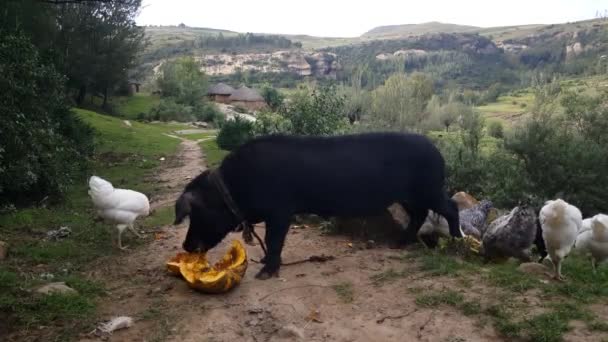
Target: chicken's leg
134, 231
121, 228
557, 263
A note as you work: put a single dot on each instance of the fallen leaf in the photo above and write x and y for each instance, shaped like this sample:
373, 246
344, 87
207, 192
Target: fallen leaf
315, 316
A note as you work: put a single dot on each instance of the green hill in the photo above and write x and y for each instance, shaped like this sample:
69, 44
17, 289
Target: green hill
417, 29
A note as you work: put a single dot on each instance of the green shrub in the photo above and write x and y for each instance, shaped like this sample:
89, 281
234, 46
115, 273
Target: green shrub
234, 133
495, 129
320, 112
271, 123
44, 147
274, 99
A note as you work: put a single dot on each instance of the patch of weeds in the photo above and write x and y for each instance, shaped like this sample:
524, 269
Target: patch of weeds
386, 276
449, 297
415, 290
598, 326
84, 287
503, 321
55, 307
507, 276
582, 284
547, 327
438, 264
345, 292
154, 311
470, 308
161, 217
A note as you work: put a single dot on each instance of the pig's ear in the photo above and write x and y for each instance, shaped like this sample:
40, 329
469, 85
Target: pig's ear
183, 207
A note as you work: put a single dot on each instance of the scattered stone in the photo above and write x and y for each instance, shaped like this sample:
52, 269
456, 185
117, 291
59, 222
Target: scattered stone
253, 322
47, 276
290, 332
256, 310
534, 268
3, 250
58, 287
58, 234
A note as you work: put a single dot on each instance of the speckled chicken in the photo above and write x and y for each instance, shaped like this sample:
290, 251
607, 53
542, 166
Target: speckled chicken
511, 235
473, 220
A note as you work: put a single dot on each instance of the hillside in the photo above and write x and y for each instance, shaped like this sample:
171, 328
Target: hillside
416, 30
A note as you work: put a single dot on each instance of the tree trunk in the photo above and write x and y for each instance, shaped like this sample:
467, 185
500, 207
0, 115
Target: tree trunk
105, 98
82, 92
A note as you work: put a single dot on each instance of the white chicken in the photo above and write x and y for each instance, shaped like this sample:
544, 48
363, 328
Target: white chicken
560, 224
593, 239
121, 206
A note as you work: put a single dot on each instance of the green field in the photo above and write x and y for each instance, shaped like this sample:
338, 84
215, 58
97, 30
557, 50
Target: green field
130, 106
127, 157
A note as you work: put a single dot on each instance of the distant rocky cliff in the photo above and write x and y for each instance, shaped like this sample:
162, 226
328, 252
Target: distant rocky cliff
320, 64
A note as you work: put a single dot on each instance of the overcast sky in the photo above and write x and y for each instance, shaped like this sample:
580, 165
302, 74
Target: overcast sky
352, 18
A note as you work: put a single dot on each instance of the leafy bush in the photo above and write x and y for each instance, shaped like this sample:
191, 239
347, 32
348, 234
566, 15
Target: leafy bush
183, 80
168, 110
496, 130
274, 99
43, 146
234, 133
271, 123
321, 112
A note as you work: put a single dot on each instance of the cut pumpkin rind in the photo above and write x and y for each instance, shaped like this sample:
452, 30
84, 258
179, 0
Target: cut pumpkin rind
221, 277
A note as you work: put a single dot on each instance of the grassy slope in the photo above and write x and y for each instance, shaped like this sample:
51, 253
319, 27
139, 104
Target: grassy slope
130, 106
213, 154
126, 157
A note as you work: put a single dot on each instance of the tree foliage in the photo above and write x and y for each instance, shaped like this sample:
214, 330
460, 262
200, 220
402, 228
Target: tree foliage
401, 102
317, 112
43, 146
183, 80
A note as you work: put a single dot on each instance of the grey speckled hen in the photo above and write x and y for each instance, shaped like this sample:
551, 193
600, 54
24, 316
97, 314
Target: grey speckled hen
473, 220
511, 235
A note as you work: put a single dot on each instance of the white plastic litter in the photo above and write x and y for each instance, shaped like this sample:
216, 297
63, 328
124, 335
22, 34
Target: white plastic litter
116, 323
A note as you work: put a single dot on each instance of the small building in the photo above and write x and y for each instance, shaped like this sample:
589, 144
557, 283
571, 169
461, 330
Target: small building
247, 98
134, 86
220, 93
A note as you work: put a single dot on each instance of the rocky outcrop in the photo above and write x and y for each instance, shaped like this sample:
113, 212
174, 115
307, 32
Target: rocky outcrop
322, 64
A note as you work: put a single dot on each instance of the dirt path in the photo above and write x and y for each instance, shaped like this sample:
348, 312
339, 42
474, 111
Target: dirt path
340, 294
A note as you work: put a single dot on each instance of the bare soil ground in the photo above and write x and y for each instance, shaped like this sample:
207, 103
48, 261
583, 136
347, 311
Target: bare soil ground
352, 298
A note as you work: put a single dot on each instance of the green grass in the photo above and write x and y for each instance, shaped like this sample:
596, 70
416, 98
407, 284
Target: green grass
213, 154
345, 292
161, 217
130, 106
198, 136
508, 277
561, 302
127, 157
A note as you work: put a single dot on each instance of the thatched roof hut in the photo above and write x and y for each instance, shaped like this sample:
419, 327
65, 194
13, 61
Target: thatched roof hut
246, 94
248, 98
220, 93
220, 89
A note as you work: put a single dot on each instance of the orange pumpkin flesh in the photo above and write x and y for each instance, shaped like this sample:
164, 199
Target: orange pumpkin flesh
221, 277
